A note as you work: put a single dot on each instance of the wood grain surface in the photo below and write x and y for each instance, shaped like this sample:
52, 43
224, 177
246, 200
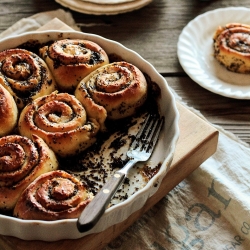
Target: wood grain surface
197, 141
153, 32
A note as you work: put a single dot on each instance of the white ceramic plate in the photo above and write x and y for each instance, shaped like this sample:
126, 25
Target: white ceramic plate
108, 1
195, 53
91, 7
67, 229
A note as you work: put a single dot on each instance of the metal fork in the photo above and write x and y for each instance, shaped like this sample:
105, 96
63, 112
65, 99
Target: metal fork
140, 150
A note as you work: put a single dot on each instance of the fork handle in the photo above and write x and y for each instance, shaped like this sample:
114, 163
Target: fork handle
96, 208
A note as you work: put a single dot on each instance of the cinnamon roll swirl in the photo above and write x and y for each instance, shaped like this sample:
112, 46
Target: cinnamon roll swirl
61, 121
70, 60
21, 161
8, 112
53, 196
114, 91
232, 47
25, 75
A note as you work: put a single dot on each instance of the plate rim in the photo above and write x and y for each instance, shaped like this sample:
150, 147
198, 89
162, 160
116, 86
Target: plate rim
103, 9
203, 79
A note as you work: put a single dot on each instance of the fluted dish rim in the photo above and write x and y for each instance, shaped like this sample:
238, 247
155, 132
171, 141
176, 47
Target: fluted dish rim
66, 229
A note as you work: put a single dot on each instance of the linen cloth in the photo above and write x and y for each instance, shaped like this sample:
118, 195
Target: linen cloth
208, 210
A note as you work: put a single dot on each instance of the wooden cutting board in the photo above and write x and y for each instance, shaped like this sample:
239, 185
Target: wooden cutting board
197, 142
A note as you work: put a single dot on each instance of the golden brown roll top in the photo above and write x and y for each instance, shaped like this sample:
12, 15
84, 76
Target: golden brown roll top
232, 47
61, 121
114, 91
70, 60
53, 196
21, 161
8, 112
25, 75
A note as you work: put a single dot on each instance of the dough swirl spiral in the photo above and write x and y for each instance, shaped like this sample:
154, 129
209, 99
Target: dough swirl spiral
70, 60
53, 196
114, 91
8, 112
25, 75
21, 161
232, 47
61, 121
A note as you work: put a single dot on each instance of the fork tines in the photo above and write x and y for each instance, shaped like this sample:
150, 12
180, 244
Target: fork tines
148, 135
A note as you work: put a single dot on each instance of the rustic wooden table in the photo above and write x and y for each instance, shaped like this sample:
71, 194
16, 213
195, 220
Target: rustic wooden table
153, 32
